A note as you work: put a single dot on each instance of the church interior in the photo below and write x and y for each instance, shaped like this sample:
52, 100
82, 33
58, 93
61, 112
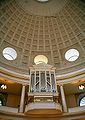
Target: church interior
42, 59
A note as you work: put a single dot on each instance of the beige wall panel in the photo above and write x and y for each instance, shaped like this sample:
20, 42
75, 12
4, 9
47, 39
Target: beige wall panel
71, 101
13, 100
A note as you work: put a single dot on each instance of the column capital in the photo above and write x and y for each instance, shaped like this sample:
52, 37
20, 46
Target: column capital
24, 84
60, 84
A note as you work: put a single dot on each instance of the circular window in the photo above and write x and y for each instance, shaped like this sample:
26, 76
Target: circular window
9, 53
40, 59
72, 55
82, 102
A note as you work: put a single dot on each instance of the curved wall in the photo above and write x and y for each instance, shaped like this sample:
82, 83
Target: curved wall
52, 36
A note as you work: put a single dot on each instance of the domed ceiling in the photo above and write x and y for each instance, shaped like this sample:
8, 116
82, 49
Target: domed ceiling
49, 8
33, 28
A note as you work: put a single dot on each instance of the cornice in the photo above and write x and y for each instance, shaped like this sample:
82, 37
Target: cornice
71, 73
68, 78
16, 77
60, 79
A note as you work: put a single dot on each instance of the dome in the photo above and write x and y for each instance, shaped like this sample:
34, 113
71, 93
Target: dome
50, 28
42, 59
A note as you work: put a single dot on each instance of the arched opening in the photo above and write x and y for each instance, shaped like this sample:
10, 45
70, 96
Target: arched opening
82, 101
2, 100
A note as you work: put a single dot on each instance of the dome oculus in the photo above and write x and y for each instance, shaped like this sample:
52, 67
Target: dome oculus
9, 53
42, 1
40, 59
72, 55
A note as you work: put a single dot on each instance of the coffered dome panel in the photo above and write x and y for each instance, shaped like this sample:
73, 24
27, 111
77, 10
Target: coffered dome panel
32, 34
47, 8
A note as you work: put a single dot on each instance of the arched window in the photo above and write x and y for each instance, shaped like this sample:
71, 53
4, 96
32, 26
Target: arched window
82, 101
0, 102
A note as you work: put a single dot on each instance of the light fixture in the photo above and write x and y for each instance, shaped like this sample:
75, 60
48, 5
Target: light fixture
3, 86
71, 55
40, 59
81, 87
9, 53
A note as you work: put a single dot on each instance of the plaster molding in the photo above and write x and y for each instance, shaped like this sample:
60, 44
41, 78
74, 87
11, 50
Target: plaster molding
14, 74
71, 74
69, 80
14, 77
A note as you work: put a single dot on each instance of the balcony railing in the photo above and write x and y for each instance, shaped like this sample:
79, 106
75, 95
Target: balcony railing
8, 109
76, 109
44, 106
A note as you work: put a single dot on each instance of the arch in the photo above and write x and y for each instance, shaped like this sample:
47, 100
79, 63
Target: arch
2, 99
81, 96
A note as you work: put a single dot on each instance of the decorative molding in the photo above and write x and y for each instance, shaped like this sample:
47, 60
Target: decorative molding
70, 77
42, 66
16, 77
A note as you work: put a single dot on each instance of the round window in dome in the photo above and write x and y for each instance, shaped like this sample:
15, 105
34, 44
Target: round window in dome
72, 55
40, 59
9, 53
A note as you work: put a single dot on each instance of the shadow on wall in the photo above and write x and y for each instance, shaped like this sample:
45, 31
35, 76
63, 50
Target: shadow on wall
2, 2
83, 1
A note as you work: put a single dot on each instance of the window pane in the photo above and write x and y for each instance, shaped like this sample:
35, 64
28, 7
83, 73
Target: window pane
0, 103
82, 102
